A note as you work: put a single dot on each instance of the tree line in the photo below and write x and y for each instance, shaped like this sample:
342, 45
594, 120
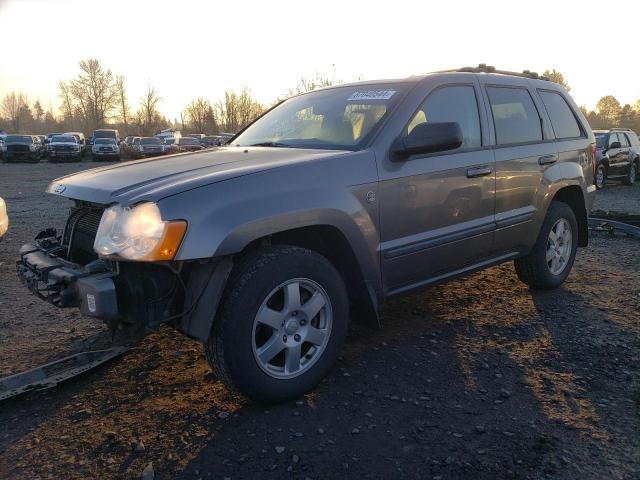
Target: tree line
98, 98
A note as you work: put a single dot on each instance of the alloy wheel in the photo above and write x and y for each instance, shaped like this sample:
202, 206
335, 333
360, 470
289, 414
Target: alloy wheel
292, 328
559, 245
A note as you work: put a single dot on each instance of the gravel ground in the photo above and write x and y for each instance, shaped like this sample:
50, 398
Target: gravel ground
478, 378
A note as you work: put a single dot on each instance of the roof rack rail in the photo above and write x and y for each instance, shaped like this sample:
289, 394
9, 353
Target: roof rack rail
621, 129
484, 68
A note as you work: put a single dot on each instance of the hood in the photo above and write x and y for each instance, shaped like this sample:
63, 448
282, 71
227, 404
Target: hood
159, 177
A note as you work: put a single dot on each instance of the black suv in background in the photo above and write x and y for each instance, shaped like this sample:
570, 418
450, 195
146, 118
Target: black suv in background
22, 147
618, 155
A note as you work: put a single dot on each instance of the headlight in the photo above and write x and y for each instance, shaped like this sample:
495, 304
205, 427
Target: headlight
138, 233
4, 218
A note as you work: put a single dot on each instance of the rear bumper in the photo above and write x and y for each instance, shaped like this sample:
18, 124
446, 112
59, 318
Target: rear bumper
65, 284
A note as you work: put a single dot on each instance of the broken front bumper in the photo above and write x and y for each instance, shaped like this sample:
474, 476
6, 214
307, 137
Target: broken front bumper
43, 270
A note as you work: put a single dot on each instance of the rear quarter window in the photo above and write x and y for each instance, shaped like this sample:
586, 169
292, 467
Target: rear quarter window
563, 120
515, 116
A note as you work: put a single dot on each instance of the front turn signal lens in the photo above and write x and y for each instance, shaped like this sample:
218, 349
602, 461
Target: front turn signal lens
169, 243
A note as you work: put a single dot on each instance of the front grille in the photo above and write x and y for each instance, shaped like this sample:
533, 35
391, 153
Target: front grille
80, 233
18, 148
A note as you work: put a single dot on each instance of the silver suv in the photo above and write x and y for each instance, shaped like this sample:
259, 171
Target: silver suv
329, 204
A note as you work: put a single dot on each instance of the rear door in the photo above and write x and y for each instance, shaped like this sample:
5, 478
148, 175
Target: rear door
523, 147
615, 154
625, 150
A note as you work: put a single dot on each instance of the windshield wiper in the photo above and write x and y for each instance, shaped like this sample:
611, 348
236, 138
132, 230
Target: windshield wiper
270, 144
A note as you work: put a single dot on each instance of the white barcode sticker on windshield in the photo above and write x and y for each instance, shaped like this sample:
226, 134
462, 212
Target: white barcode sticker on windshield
371, 95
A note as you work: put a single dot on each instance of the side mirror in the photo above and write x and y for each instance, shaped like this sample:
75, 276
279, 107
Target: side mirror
615, 145
427, 138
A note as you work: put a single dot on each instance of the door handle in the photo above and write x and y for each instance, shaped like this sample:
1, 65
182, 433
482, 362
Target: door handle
479, 172
546, 159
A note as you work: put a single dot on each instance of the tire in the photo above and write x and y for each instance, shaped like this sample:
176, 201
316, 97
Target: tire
600, 177
632, 174
234, 344
534, 269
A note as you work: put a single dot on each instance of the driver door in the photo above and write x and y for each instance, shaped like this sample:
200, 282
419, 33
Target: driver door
437, 210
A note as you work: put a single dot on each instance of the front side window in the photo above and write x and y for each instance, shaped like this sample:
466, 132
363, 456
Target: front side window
456, 103
613, 138
515, 116
337, 118
563, 120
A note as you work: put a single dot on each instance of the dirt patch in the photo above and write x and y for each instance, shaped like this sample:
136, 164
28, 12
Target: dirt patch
478, 378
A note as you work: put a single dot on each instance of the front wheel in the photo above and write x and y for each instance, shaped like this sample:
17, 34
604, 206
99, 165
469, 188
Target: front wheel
601, 177
282, 323
549, 263
632, 174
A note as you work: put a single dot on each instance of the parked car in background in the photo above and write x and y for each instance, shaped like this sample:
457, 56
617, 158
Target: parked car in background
149, 147
81, 141
22, 148
64, 147
129, 145
105, 148
106, 133
169, 136
261, 250
618, 155
4, 218
198, 136
185, 144
226, 137
211, 141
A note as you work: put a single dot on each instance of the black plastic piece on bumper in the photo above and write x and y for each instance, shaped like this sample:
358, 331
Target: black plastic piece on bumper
66, 284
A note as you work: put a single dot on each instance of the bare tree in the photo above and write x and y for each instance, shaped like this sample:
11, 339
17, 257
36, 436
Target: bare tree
93, 94
124, 110
236, 111
15, 108
148, 117
200, 116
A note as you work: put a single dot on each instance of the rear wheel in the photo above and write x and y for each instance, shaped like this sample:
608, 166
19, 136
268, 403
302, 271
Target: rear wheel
282, 323
549, 263
601, 176
632, 174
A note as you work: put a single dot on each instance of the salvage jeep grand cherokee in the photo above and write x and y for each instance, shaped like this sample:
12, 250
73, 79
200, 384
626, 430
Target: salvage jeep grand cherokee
329, 204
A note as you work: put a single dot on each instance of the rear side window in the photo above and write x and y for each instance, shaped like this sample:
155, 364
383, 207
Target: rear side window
455, 103
515, 116
624, 141
563, 120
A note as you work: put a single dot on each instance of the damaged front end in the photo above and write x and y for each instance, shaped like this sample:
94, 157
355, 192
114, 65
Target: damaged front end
65, 271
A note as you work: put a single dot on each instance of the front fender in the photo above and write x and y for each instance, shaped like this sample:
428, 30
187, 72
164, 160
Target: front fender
225, 217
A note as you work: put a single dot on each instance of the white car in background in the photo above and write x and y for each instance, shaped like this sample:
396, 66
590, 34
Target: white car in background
105, 149
4, 218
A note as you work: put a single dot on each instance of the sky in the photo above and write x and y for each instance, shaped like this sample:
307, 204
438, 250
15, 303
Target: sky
188, 49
